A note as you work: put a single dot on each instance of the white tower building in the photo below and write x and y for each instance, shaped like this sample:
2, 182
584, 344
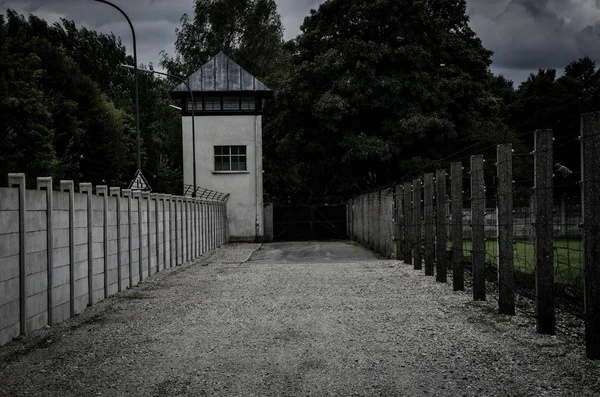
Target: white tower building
228, 140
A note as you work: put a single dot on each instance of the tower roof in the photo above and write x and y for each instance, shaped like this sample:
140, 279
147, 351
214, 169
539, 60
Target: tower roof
221, 74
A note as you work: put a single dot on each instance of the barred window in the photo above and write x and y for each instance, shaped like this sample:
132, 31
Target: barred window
231, 103
248, 103
230, 158
212, 103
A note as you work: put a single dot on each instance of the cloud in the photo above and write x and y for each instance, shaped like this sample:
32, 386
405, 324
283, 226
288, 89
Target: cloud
527, 35
293, 13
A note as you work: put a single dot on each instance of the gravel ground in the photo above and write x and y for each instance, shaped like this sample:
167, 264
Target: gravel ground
238, 327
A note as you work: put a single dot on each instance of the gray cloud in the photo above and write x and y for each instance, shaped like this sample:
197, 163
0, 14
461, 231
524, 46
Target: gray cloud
526, 35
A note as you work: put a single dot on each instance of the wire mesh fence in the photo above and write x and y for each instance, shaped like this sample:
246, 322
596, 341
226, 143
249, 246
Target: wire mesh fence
509, 223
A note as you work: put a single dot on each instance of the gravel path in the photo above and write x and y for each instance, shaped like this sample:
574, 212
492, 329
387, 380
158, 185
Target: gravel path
356, 327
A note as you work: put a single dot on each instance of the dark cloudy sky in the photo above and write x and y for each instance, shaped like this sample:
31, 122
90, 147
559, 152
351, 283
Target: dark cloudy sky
524, 34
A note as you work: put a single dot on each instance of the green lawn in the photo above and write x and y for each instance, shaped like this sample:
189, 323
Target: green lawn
568, 258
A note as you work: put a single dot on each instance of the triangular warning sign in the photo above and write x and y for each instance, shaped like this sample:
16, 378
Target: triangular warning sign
139, 183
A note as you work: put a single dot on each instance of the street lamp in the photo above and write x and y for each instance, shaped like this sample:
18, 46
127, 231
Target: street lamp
193, 116
137, 99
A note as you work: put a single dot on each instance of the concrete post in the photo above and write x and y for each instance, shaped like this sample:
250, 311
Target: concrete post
478, 226
103, 191
69, 187
127, 193
86, 188
544, 252
211, 226
18, 181
590, 168
417, 223
441, 218
116, 193
429, 222
506, 283
177, 235
163, 199
46, 184
169, 199
138, 196
154, 197
186, 205
408, 229
146, 196
458, 281
203, 226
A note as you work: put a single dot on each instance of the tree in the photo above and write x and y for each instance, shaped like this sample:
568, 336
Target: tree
26, 131
67, 108
378, 90
248, 31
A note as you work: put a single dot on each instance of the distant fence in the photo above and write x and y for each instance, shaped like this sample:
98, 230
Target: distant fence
531, 224
61, 251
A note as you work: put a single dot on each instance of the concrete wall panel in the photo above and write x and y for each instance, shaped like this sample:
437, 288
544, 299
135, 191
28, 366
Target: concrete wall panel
9, 268
161, 241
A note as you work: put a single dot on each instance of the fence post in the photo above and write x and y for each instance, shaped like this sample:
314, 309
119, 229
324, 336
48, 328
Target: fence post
127, 193
544, 253
417, 223
441, 218
46, 184
157, 198
590, 169
163, 198
177, 233
18, 181
506, 283
408, 230
116, 192
68, 186
86, 188
458, 278
103, 192
169, 256
399, 227
478, 226
429, 222
148, 197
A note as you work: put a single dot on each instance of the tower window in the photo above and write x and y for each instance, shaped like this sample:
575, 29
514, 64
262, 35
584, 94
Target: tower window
248, 103
212, 103
230, 158
231, 103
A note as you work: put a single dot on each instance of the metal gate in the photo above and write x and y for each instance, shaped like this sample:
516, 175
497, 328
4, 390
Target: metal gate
309, 222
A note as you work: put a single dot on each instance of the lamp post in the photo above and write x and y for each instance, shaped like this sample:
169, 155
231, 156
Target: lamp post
135, 67
193, 116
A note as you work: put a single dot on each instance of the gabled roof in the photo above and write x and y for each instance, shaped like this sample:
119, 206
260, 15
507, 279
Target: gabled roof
221, 74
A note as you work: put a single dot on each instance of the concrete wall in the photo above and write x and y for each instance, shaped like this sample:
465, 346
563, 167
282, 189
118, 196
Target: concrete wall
371, 221
245, 209
61, 251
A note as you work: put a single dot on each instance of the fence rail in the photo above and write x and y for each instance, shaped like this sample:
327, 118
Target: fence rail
539, 234
61, 251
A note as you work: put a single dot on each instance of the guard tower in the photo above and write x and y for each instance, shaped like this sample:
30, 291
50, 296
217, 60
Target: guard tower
228, 103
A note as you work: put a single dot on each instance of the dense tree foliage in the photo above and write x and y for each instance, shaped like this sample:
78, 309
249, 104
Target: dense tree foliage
249, 31
369, 93
378, 89
66, 108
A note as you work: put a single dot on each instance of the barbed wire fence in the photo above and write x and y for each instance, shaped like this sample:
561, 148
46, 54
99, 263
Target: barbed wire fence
513, 226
